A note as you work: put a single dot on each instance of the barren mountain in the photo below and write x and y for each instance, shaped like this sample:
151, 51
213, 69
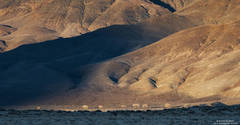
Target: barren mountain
41, 20
198, 62
188, 51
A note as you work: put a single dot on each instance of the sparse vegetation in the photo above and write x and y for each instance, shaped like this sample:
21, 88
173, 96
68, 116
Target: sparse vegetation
193, 115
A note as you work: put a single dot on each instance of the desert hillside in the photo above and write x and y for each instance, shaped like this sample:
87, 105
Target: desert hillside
41, 20
165, 51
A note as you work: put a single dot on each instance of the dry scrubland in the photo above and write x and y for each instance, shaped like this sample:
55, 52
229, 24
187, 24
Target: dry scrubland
197, 115
156, 55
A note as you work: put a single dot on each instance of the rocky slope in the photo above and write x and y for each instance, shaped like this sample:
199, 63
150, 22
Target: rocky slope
41, 20
198, 62
190, 55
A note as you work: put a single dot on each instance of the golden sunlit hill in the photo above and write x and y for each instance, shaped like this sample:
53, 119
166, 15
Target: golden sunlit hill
119, 52
41, 20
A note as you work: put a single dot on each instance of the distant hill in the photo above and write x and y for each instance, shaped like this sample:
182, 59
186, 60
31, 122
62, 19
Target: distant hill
41, 20
190, 55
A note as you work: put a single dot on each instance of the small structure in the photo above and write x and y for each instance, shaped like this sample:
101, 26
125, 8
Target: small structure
100, 107
167, 105
123, 106
135, 105
145, 106
38, 108
85, 107
69, 110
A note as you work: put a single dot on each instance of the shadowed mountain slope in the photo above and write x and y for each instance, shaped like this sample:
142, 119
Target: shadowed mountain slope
203, 63
189, 56
70, 55
41, 20
202, 66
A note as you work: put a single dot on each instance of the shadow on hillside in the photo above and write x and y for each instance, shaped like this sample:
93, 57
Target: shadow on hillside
92, 47
20, 79
42, 70
162, 4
